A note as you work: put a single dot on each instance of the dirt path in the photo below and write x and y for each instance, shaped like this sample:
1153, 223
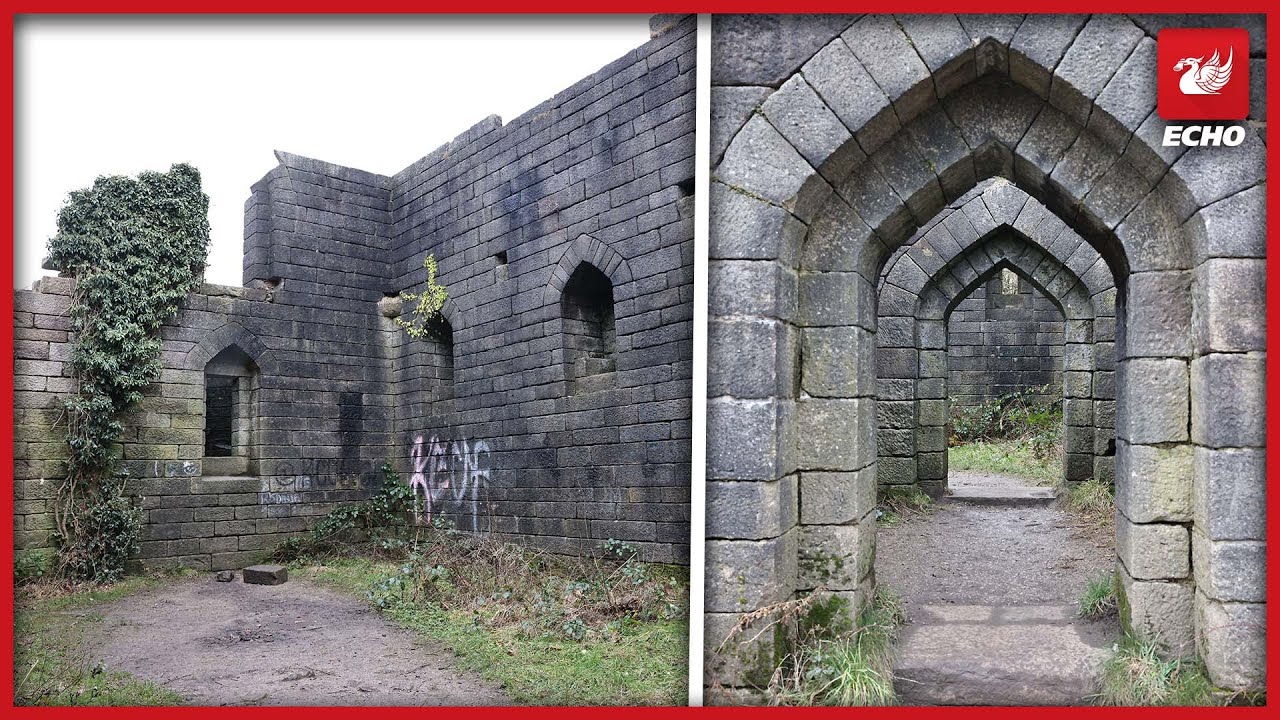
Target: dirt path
991, 593
292, 644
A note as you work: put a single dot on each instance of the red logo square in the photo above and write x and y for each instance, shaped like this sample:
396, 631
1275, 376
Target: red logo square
1202, 74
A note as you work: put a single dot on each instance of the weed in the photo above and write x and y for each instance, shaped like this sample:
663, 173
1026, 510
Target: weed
552, 629
1137, 674
1099, 599
385, 513
824, 658
899, 505
1093, 500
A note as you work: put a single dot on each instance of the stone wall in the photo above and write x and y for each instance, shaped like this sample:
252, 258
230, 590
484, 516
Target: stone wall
1000, 343
484, 420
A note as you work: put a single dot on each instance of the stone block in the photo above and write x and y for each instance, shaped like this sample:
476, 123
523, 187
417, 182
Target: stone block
886, 53
1128, 98
1155, 407
834, 498
746, 227
742, 439
1160, 612
751, 510
836, 557
730, 108
1211, 176
1229, 407
1092, 59
1153, 551
767, 49
751, 287
750, 357
797, 112
1153, 483
743, 575
931, 466
1232, 641
897, 414
932, 412
1230, 570
1230, 305
266, 575
900, 443
838, 362
895, 471
1232, 227
835, 299
1159, 315
846, 86
760, 161
1038, 44
897, 363
945, 48
1229, 494
835, 434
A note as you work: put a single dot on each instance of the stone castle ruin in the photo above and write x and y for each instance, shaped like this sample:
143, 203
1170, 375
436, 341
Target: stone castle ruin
869, 174
552, 406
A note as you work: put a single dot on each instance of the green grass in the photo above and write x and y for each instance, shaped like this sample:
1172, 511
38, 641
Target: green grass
1099, 598
634, 662
1136, 674
1005, 456
50, 666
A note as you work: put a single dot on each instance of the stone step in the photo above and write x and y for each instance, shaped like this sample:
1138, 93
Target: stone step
999, 655
1002, 495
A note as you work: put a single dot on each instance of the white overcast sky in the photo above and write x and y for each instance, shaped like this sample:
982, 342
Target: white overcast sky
99, 96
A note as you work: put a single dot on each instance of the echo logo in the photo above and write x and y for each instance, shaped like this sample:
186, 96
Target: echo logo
1203, 135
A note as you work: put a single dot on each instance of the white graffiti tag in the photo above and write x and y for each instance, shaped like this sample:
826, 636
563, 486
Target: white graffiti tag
451, 477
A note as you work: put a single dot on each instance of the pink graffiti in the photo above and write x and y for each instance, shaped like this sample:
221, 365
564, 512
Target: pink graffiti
449, 475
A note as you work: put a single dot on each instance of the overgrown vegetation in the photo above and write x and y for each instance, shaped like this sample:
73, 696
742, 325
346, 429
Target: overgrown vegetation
425, 321
1099, 598
136, 247
1023, 416
823, 657
384, 517
1019, 433
905, 504
51, 666
551, 629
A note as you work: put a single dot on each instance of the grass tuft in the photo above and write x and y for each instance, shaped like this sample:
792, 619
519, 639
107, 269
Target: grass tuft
1099, 599
897, 506
825, 658
1093, 500
1137, 674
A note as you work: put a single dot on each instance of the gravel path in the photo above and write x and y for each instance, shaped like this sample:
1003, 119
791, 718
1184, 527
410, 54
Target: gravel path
990, 594
293, 644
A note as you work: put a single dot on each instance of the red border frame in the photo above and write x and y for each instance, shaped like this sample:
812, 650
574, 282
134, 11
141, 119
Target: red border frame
7, 186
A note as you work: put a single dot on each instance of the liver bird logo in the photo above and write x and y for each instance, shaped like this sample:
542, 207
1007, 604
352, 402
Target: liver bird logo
1204, 78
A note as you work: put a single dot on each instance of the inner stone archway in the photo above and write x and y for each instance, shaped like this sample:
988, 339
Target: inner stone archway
915, 308
858, 150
